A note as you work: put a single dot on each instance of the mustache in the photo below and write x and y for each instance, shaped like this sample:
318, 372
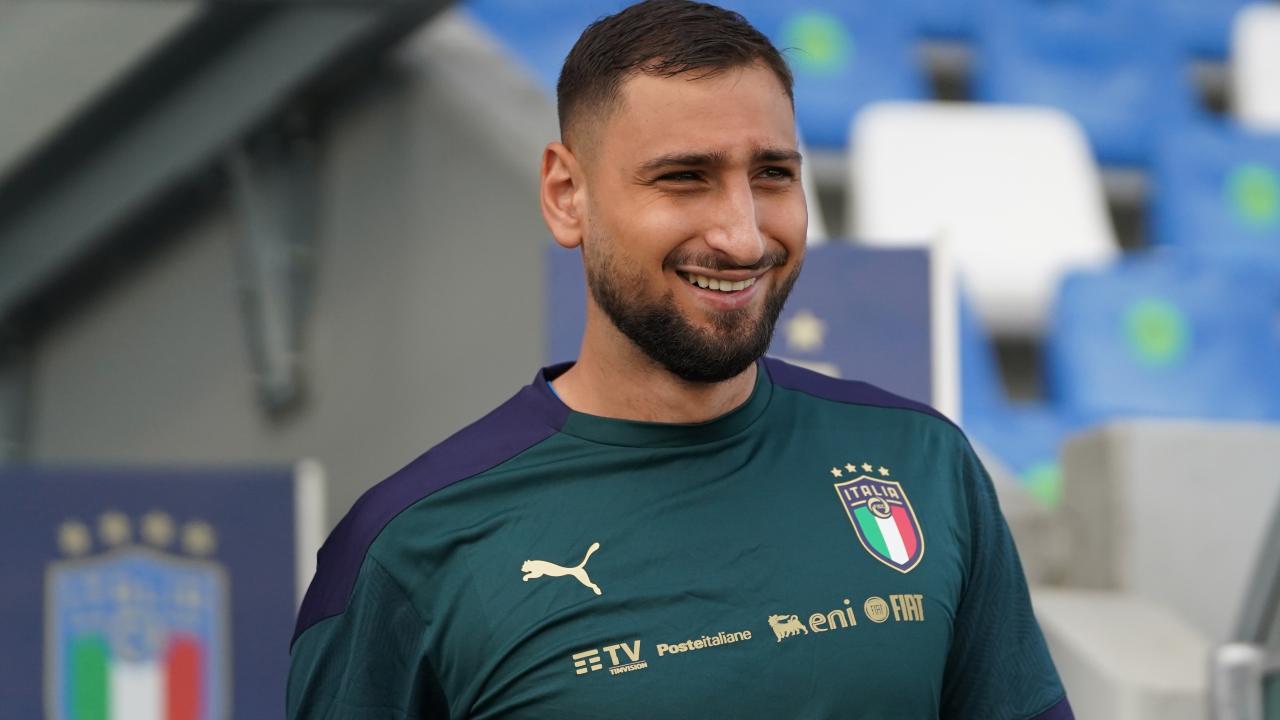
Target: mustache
715, 261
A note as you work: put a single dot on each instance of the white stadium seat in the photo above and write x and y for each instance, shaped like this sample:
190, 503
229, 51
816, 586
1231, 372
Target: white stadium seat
1255, 66
1013, 191
817, 234
1122, 657
1174, 512
1165, 521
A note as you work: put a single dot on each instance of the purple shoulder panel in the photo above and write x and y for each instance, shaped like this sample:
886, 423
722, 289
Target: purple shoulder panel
528, 418
1060, 711
847, 391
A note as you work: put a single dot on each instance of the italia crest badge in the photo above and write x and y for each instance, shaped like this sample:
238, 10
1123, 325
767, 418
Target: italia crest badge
882, 516
137, 631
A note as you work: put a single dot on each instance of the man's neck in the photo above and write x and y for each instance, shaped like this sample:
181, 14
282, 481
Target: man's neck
617, 380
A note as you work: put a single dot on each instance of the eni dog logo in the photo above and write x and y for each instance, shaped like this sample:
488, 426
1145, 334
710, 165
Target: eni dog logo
534, 569
139, 630
785, 626
882, 516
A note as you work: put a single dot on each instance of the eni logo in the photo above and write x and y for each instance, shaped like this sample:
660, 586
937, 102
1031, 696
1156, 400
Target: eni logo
534, 569
785, 626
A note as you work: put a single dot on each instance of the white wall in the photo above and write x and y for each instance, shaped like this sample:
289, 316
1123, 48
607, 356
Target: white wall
428, 307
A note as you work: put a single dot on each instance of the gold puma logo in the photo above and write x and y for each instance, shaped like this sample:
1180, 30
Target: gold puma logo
538, 568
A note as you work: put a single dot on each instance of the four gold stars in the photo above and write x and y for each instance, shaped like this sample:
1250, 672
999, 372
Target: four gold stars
865, 467
116, 529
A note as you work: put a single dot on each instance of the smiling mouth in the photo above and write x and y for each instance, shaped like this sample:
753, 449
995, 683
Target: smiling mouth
710, 283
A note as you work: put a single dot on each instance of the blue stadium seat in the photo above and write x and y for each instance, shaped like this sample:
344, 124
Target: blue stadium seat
1113, 65
1026, 437
1168, 334
1216, 188
844, 54
944, 19
1203, 27
540, 34
980, 385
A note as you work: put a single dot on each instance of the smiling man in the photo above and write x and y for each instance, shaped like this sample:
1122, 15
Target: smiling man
680, 181
673, 526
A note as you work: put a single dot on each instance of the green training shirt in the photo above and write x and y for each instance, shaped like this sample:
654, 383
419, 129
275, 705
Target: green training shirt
825, 550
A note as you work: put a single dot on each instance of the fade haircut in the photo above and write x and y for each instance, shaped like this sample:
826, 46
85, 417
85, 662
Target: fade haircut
663, 38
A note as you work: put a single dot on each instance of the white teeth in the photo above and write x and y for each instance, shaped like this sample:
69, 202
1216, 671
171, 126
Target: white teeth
717, 284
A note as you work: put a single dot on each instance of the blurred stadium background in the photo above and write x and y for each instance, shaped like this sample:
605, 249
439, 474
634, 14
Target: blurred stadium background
255, 257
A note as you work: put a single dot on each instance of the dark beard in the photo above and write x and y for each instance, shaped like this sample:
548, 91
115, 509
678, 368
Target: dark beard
662, 332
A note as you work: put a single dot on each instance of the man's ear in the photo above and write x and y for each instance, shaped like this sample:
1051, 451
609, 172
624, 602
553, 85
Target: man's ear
563, 194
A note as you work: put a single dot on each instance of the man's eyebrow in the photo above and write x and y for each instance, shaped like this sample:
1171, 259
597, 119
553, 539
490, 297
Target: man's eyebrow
712, 159
778, 155
695, 159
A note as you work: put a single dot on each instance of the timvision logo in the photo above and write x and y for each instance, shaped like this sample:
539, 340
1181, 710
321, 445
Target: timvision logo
623, 658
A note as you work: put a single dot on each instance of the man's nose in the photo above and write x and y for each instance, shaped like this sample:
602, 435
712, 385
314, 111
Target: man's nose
735, 231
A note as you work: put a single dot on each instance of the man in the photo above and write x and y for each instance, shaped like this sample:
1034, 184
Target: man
673, 527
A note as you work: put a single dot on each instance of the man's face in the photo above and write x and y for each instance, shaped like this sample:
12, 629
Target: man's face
696, 219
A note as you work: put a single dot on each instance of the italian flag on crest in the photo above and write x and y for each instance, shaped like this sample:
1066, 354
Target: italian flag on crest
136, 635
884, 521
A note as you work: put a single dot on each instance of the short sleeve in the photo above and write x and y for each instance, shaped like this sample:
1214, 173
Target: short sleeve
367, 662
998, 666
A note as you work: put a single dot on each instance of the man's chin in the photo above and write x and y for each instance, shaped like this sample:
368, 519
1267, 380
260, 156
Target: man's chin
686, 334
706, 373
724, 323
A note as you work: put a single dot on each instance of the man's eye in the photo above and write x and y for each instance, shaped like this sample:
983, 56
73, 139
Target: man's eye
774, 173
680, 176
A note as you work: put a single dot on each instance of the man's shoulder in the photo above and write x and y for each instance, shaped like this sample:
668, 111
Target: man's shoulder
849, 392
513, 427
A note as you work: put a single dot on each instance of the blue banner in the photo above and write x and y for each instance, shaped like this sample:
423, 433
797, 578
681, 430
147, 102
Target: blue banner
146, 593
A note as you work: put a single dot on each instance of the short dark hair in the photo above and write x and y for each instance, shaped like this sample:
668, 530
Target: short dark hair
664, 38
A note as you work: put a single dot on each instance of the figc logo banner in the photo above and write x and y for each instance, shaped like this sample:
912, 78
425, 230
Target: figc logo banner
152, 594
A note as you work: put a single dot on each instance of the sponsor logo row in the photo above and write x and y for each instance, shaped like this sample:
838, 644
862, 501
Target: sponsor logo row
625, 657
